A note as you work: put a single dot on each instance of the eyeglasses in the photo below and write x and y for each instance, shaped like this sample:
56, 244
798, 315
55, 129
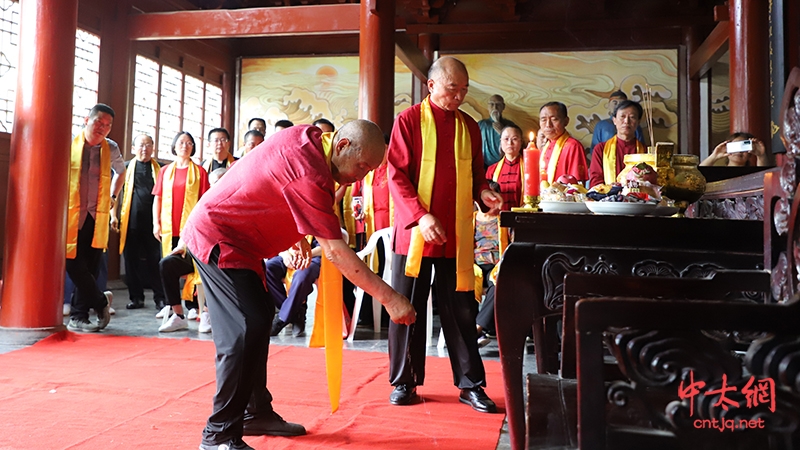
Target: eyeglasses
184, 143
144, 146
220, 141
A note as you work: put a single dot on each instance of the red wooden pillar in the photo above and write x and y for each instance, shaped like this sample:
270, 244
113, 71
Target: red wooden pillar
37, 187
749, 67
428, 44
376, 63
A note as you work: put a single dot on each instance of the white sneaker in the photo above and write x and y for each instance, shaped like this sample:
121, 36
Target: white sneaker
167, 310
173, 323
192, 314
111, 311
67, 309
205, 323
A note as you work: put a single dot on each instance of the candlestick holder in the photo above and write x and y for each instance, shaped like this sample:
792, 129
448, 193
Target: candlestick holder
530, 203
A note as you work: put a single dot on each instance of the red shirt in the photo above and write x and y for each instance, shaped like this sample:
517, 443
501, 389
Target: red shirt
596, 167
509, 180
282, 191
179, 191
380, 198
404, 156
572, 160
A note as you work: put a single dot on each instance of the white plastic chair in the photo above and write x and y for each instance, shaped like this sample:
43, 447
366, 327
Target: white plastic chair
372, 244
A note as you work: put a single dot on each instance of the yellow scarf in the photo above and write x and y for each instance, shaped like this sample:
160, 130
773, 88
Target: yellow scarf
499, 169
369, 215
190, 197
126, 200
553, 163
502, 231
464, 231
207, 165
610, 159
347, 213
102, 215
328, 331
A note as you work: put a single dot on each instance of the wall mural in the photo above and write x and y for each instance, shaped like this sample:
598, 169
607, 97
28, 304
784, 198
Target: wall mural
581, 80
305, 89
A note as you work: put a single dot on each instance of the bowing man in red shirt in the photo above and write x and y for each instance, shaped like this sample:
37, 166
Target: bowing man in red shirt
267, 202
435, 173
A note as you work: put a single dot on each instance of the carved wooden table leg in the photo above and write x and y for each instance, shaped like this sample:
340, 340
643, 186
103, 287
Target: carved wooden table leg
514, 317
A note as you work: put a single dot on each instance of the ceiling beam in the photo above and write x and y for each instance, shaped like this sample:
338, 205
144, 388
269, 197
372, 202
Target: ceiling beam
411, 56
715, 45
245, 23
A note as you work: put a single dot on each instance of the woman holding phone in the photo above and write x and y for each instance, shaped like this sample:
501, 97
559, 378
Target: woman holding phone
737, 154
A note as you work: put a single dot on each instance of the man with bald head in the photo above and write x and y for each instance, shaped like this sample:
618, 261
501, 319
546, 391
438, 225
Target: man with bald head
491, 129
266, 203
436, 172
562, 154
141, 249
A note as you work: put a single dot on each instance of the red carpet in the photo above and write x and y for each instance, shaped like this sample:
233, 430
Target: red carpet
112, 392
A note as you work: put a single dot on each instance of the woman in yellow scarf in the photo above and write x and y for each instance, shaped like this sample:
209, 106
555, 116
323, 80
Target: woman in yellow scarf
178, 188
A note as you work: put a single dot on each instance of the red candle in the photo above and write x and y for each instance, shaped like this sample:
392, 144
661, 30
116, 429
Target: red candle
531, 157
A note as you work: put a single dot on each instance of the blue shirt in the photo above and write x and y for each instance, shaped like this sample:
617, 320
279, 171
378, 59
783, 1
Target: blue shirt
605, 130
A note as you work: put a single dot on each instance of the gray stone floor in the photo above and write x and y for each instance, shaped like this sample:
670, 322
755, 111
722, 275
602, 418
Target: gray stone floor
142, 322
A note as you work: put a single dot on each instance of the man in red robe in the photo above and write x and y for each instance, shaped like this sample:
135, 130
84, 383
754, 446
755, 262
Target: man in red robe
563, 154
626, 119
265, 204
436, 220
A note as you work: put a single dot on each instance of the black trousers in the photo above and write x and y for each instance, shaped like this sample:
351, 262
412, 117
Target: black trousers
172, 268
242, 311
486, 315
142, 255
457, 312
83, 270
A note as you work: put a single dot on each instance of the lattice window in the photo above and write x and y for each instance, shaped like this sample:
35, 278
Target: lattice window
9, 59
87, 80
167, 101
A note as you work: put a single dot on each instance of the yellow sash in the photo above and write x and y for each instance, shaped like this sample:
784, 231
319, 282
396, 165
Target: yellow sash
328, 331
464, 231
190, 197
499, 169
207, 164
102, 216
369, 215
126, 200
553, 163
610, 159
347, 213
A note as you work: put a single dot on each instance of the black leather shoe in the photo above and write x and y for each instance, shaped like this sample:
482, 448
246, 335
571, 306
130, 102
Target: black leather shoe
403, 394
277, 326
478, 399
273, 425
135, 304
236, 444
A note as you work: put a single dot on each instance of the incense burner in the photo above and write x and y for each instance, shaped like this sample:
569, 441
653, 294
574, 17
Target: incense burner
685, 184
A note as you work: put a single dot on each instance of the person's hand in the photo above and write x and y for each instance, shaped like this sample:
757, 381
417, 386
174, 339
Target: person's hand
287, 259
301, 254
758, 148
157, 231
720, 151
492, 200
114, 223
179, 250
359, 215
400, 309
431, 229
